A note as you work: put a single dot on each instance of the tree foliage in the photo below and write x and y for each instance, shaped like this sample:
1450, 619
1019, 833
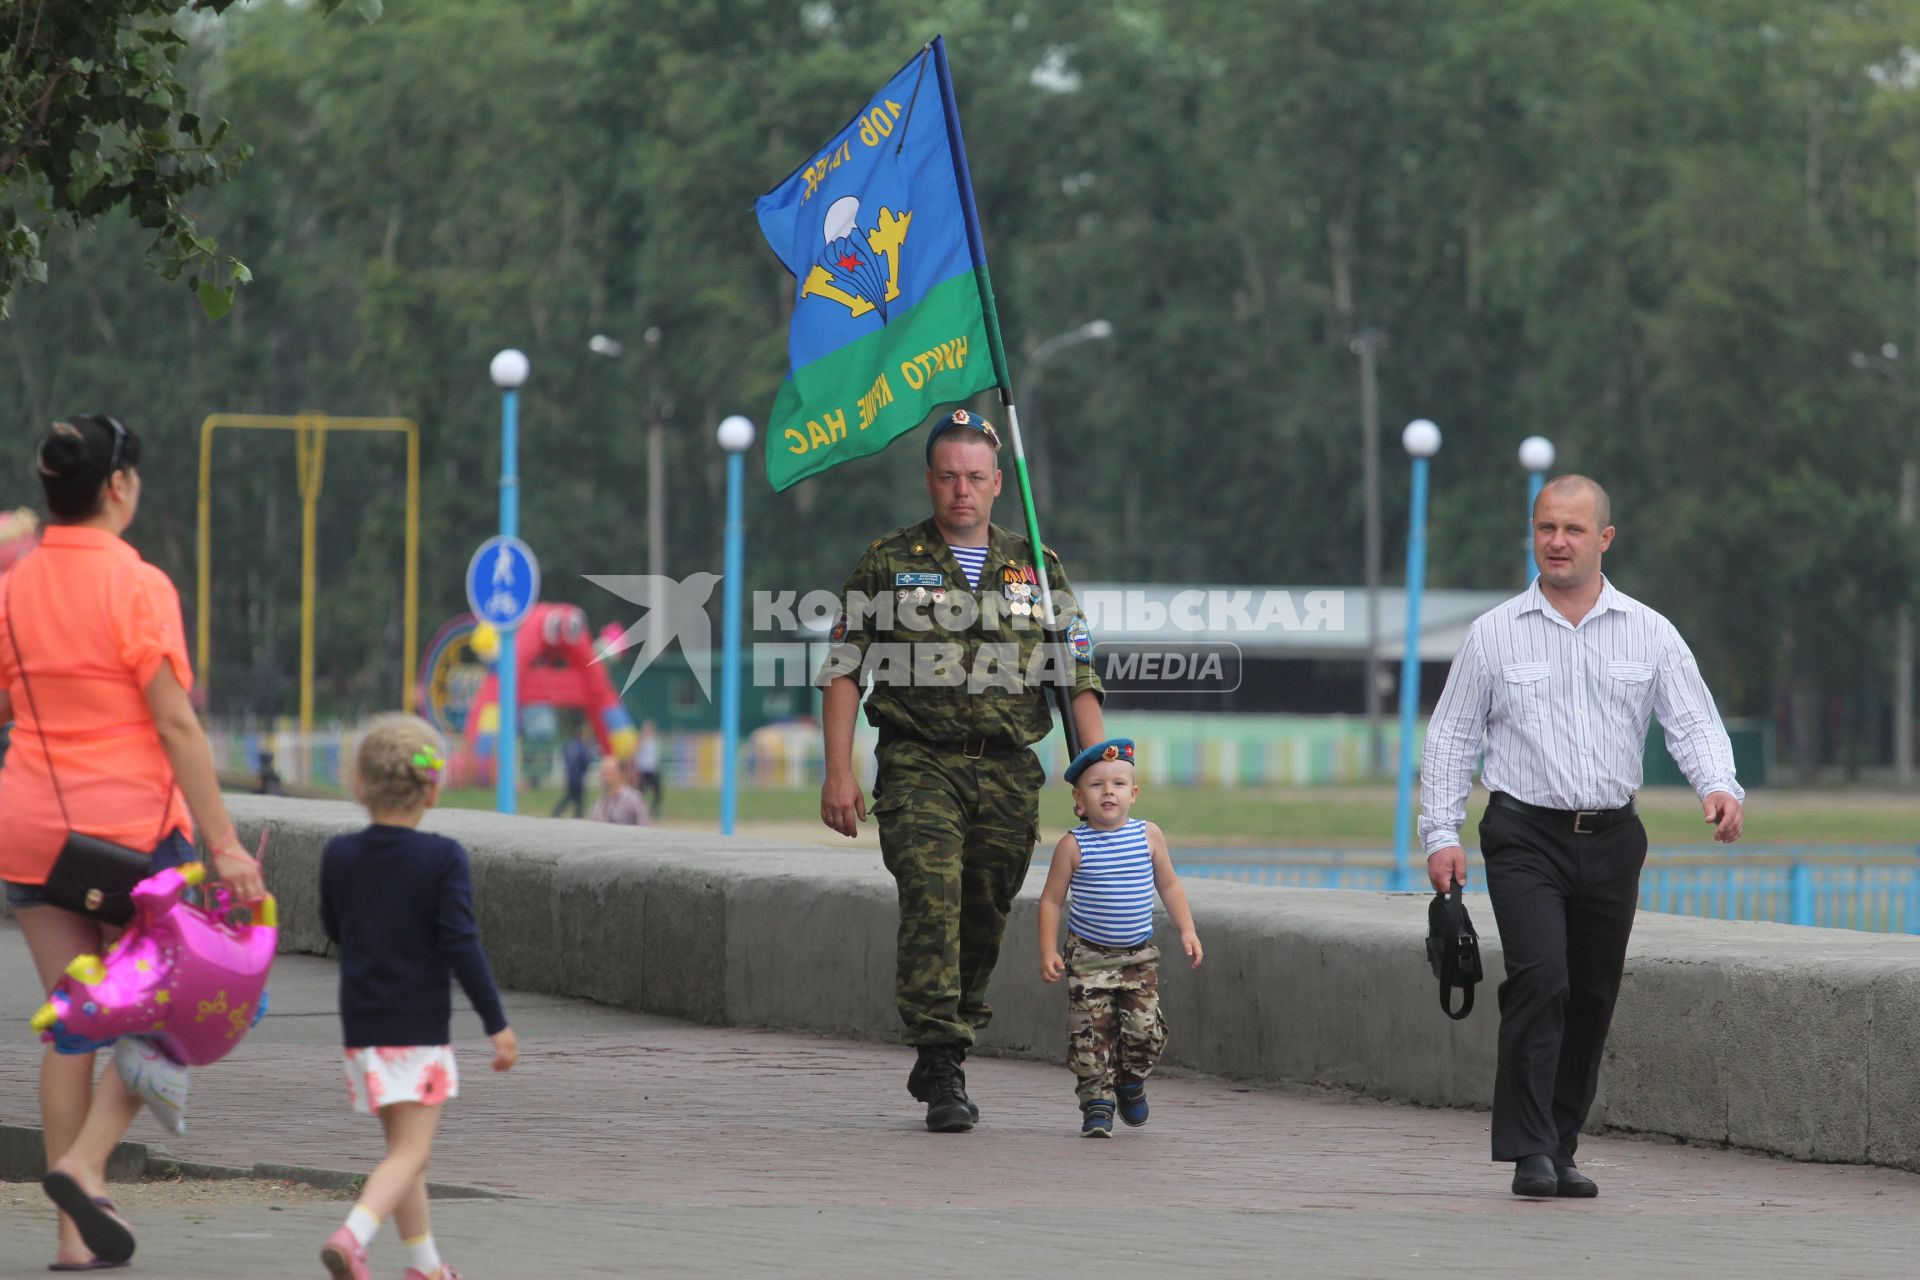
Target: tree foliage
94, 120
1654, 233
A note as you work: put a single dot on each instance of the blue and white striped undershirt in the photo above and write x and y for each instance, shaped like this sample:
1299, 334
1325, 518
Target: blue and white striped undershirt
1110, 899
972, 561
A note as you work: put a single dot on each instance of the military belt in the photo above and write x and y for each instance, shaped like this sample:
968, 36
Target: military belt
974, 748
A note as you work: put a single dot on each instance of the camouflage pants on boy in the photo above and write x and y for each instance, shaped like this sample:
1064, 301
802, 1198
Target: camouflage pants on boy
1114, 1028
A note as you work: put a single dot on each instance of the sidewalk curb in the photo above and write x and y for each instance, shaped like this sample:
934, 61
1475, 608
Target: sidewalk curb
22, 1159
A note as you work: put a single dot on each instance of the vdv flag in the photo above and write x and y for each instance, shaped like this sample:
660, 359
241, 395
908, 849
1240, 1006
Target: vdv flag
888, 319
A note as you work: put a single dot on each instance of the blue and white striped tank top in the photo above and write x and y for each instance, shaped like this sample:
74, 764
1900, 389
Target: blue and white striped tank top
1110, 899
972, 561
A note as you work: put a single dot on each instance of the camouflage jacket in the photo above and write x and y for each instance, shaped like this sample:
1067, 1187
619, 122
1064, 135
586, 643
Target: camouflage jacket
949, 663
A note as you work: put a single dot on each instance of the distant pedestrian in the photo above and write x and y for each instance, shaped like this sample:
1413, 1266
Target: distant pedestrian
576, 759
618, 802
1104, 873
398, 902
646, 763
1560, 682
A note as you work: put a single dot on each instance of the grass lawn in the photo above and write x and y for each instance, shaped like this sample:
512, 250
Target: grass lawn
1356, 816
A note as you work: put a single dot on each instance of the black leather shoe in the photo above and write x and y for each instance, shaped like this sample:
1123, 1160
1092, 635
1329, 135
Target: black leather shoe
1534, 1176
1575, 1183
960, 1081
920, 1086
947, 1109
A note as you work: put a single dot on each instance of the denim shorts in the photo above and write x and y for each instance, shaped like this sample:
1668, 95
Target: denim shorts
173, 851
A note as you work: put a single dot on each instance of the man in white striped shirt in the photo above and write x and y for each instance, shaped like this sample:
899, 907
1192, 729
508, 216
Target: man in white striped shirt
1560, 682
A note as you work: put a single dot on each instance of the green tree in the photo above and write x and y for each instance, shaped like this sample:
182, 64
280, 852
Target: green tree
96, 121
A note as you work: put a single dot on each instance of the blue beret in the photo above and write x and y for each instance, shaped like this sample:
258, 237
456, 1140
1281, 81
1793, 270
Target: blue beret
1111, 749
961, 420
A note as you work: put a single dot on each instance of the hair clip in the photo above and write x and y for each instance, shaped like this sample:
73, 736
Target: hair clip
430, 761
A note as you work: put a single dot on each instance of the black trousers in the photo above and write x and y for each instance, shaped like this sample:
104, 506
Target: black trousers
1564, 903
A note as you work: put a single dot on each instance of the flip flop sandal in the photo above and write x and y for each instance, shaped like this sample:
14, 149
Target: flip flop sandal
92, 1264
110, 1239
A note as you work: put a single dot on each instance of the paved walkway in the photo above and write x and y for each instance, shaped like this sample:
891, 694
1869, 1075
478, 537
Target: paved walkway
640, 1146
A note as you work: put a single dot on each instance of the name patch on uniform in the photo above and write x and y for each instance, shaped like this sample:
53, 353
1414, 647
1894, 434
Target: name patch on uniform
919, 579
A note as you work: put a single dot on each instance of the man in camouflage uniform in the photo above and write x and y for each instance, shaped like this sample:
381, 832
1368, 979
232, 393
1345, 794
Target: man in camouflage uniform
961, 677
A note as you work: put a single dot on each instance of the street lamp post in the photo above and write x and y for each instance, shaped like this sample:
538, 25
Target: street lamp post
1039, 354
1903, 617
1536, 455
1421, 440
612, 348
1367, 344
509, 372
736, 437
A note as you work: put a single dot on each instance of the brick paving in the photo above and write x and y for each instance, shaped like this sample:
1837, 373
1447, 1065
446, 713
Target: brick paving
641, 1146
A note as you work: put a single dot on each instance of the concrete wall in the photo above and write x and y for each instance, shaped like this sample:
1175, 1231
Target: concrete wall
1804, 1042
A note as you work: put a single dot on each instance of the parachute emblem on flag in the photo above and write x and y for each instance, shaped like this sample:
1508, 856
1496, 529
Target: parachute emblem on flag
849, 270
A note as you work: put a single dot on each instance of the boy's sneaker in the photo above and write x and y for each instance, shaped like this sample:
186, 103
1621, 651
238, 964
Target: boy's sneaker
1096, 1119
1133, 1102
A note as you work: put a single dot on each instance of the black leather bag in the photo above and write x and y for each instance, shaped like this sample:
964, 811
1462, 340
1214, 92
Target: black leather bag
91, 877
1453, 950
95, 877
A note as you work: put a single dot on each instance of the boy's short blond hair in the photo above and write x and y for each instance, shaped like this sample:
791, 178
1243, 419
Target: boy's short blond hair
395, 769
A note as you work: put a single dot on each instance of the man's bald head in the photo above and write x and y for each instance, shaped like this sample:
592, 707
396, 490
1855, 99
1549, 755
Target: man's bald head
1579, 487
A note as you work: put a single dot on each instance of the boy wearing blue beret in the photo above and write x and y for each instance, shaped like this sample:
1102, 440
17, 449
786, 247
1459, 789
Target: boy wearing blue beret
1105, 872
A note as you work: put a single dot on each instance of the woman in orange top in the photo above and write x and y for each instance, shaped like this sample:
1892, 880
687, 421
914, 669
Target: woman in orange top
108, 737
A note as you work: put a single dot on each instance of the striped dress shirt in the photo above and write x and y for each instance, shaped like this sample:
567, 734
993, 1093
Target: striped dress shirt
1563, 710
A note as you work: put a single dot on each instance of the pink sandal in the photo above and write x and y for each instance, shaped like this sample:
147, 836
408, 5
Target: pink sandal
344, 1257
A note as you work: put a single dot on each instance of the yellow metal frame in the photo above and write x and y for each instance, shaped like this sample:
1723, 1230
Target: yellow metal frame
310, 456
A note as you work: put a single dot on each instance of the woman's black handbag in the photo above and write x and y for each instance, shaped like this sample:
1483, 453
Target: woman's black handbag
1453, 949
95, 877
91, 877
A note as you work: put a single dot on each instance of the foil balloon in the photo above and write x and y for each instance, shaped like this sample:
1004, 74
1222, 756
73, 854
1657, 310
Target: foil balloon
181, 976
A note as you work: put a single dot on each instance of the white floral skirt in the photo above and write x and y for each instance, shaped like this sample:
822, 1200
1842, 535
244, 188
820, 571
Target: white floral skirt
382, 1076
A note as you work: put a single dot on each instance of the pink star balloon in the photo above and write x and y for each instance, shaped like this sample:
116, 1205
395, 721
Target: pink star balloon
180, 974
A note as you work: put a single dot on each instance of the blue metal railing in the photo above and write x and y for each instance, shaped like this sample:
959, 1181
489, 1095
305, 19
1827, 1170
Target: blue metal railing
1869, 887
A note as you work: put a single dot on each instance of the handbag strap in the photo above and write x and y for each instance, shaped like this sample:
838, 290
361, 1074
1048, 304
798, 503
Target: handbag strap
46, 749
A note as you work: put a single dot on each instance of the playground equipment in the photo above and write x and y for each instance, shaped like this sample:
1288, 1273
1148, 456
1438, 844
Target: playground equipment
310, 456
557, 668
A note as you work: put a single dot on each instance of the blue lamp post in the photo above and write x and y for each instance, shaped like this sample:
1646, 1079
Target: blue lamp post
736, 437
1421, 440
509, 372
1536, 455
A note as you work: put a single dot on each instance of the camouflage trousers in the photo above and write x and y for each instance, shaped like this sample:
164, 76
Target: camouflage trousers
1114, 1029
957, 833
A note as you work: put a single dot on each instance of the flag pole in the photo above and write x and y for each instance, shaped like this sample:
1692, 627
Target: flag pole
1060, 660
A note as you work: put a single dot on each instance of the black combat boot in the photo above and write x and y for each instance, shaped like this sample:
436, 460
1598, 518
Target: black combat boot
917, 1078
940, 1080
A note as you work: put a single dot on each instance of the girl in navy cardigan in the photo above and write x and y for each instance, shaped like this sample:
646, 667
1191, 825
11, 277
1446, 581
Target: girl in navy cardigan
399, 904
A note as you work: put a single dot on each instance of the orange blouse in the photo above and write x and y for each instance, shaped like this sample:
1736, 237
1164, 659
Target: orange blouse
93, 622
